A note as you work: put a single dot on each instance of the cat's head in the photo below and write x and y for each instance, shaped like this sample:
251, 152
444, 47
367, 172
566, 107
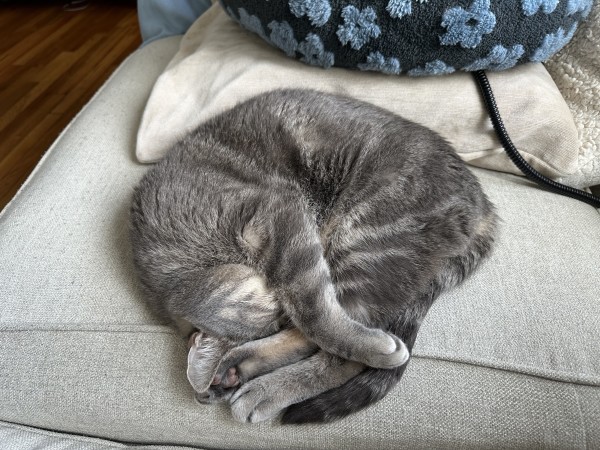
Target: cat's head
238, 307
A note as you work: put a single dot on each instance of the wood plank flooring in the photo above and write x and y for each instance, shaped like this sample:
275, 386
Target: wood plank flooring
51, 63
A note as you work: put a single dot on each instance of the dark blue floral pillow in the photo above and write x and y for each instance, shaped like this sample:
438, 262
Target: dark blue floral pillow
417, 37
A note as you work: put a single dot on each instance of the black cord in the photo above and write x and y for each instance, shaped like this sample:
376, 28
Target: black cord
515, 156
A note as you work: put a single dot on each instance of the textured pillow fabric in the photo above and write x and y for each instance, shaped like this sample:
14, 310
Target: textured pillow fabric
417, 37
220, 64
576, 71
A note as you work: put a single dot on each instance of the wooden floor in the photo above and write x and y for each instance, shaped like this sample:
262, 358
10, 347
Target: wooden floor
51, 63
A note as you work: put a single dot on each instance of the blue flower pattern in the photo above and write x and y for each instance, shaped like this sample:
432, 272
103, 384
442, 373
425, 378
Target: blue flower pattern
314, 52
575, 6
318, 11
530, 7
436, 67
400, 8
282, 35
552, 43
499, 58
467, 26
359, 26
379, 63
251, 23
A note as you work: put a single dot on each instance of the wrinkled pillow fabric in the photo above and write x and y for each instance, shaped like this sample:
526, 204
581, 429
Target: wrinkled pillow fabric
220, 64
415, 37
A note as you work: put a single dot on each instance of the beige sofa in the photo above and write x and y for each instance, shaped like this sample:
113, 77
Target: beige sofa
511, 359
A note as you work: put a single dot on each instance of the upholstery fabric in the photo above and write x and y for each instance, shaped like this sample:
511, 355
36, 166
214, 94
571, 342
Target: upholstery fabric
18, 437
416, 37
509, 360
220, 64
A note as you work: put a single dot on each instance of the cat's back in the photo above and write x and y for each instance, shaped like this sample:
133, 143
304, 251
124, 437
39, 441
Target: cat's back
324, 144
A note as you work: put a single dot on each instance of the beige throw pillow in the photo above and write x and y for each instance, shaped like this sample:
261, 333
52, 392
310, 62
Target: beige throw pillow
219, 64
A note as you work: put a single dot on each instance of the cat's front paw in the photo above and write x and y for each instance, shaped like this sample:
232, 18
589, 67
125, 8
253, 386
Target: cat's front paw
221, 389
389, 353
204, 356
375, 348
255, 402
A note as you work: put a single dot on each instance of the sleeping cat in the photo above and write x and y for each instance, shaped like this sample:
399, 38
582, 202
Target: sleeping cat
305, 235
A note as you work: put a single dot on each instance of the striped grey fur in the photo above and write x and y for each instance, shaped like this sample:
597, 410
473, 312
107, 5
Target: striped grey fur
308, 210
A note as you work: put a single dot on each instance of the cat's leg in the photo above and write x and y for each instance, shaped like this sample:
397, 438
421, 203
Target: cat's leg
266, 396
256, 358
300, 275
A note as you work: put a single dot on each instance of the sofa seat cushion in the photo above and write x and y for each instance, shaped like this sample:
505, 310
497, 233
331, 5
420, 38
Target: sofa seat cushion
15, 436
509, 359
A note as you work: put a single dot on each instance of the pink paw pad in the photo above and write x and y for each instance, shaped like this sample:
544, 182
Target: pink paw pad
229, 379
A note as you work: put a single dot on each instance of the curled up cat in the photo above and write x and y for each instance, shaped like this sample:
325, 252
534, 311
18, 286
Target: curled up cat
302, 237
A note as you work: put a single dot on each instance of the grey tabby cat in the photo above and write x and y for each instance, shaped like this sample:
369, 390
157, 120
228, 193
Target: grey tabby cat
305, 235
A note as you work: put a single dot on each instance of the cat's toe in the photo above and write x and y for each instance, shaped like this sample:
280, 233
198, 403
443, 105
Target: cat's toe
264, 411
227, 377
252, 404
393, 354
207, 397
216, 394
230, 379
245, 400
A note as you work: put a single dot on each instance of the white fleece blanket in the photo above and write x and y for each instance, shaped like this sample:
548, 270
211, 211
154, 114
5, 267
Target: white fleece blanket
576, 72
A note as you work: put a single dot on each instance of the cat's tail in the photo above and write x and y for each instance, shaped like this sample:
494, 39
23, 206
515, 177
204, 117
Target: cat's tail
363, 390
373, 384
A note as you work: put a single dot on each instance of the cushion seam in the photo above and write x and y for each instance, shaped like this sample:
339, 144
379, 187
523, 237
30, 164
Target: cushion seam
551, 375
62, 435
110, 442
96, 328
579, 379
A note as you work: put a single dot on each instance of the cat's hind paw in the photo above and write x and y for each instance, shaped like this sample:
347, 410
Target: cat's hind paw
252, 403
